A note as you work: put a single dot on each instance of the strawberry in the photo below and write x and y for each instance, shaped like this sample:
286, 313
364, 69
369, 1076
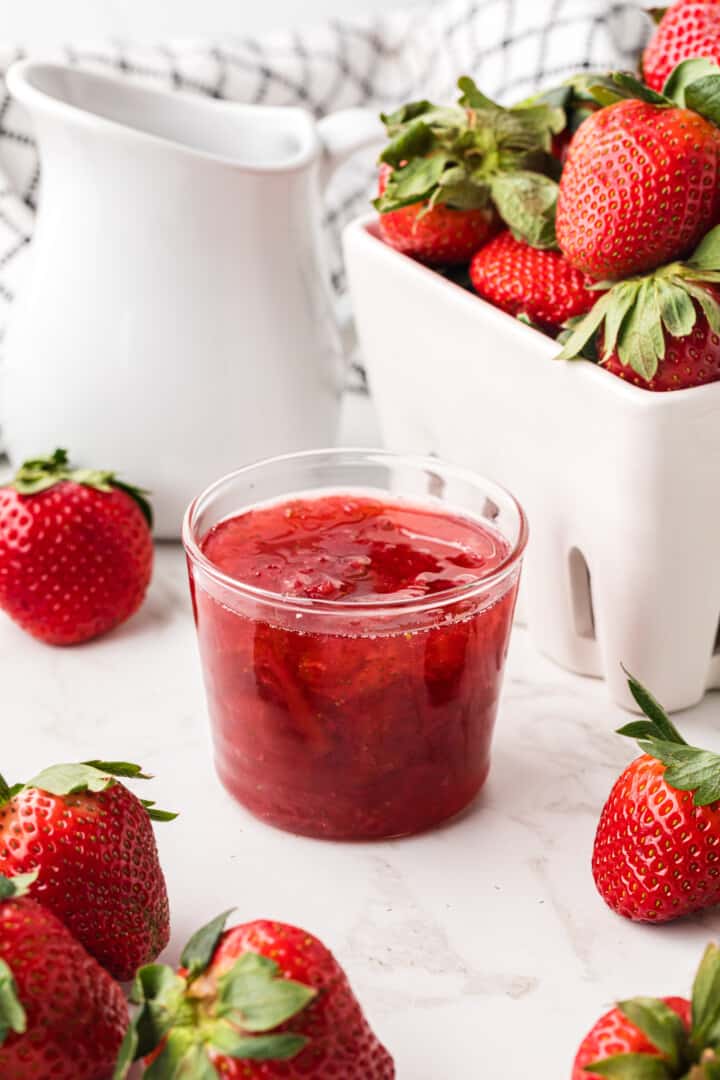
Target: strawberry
260, 1000
541, 286
641, 183
92, 844
450, 174
439, 235
615, 1035
75, 550
688, 29
655, 856
689, 361
648, 1038
61, 1015
660, 331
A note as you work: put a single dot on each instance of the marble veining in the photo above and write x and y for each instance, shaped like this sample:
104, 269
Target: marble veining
477, 948
455, 940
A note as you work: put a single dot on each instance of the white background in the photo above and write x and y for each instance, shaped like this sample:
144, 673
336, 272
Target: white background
52, 21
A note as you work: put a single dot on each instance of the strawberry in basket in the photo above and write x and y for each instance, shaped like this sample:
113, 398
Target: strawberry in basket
661, 330
451, 175
688, 29
539, 286
649, 1038
641, 183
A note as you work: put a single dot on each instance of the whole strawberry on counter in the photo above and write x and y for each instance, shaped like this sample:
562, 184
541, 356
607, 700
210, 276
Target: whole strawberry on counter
260, 1000
660, 331
539, 286
641, 183
91, 844
451, 175
76, 550
62, 1017
656, 854
688, 29
647, 1038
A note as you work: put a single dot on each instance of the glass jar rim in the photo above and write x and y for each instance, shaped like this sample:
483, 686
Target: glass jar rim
305, 605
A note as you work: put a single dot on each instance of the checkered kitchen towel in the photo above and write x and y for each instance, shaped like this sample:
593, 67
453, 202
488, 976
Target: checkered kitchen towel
511, 47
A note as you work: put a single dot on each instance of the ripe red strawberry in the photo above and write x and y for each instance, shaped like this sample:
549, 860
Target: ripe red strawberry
440, 235
75, 550
616, 1034
92, 843
688, 29
449, 175
660, 331
689, 361
61, 1015
648, 1038
261, 1000
656, 855
523, 280
640, 187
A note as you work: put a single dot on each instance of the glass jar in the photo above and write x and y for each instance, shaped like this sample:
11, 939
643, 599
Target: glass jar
354, 719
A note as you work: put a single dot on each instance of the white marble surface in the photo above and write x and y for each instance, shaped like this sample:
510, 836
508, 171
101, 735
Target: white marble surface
479, 950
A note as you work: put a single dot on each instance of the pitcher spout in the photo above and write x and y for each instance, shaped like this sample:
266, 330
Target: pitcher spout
245, 136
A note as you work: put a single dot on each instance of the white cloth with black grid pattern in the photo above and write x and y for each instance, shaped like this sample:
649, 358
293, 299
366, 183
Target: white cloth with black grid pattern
511, 48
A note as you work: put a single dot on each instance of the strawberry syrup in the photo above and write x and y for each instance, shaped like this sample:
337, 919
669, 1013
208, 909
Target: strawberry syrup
370, 713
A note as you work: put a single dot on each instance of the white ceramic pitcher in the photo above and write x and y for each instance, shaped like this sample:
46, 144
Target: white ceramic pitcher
177, 319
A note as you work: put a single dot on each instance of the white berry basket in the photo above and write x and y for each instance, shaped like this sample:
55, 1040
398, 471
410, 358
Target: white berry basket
621, 485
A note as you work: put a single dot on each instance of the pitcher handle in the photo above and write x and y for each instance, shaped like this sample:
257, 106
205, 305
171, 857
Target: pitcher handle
342, 133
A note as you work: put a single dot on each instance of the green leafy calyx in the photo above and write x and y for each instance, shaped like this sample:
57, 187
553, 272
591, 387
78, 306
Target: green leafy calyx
15, 887
190, 1016
622, 86
476, 155
198, 952
634, 316
70, 778
693, 84
40, 474
12, 1013
679, 1053
688, 768
572, 96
